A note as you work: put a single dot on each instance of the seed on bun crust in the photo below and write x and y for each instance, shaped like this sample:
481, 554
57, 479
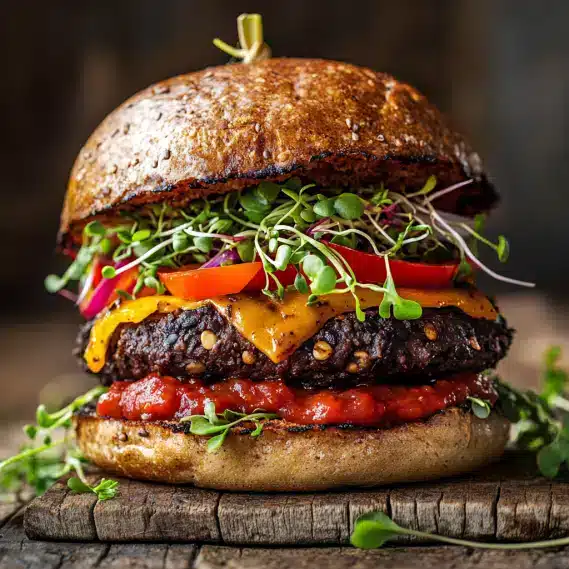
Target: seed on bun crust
229, 127
289, 457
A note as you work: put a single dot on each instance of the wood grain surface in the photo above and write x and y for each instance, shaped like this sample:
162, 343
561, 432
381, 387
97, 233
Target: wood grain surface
18, 552
506, 502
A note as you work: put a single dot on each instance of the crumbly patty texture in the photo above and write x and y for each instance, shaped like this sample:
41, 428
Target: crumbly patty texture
231, 126
286, 458
440, 343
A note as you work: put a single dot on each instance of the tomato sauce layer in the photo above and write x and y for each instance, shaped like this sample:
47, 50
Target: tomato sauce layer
160, 398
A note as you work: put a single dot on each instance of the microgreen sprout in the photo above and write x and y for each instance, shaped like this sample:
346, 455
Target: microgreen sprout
372, 530
480, 407
402, 309
285, 225
251, 45
42, 460
219, 425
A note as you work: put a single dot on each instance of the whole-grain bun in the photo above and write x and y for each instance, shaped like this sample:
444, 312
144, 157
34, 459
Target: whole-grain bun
289, 457
230, 126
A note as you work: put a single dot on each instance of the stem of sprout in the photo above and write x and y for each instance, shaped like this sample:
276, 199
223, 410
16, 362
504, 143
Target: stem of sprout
462, 243
440, 193
146, 255
357, 232
380, 229
478, 236
29, 452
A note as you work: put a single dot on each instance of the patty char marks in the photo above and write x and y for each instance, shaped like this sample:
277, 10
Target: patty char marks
344, 353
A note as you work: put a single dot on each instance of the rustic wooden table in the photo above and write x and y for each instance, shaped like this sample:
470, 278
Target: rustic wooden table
144, 527
18, 552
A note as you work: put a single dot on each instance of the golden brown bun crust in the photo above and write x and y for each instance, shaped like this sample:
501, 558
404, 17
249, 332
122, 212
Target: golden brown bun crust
225, 127
290, 457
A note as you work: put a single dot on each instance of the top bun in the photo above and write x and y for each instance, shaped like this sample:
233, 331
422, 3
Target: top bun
228, 127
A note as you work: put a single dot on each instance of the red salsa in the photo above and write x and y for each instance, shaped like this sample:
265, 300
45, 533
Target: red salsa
159, 398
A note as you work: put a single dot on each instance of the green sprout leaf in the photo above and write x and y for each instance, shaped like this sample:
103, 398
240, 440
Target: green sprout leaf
180, 241
95, 228
503, 249
141, 235
480, 407
312, 266
246, 251
324, 282
300, 284
210, 415
308, 215
202, 426
349, 206
215, 443
204, 244
109, 272
324, 208
402, 309
429, 186
267, 192
284, 253
31, 431
105, 489
53, 283
78, 486
549, 460
405, 309
372, 530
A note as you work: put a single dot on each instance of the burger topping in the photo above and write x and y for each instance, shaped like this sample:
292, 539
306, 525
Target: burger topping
311, 233
276, 328
157, 398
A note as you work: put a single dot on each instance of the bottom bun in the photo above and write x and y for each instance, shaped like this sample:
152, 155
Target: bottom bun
288, 457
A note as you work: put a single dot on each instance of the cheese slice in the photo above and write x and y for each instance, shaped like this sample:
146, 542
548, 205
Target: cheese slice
276, 328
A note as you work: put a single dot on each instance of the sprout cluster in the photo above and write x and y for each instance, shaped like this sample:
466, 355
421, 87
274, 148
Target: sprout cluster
285, 225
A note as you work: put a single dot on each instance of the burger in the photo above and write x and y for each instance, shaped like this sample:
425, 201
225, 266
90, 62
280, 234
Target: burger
277, 262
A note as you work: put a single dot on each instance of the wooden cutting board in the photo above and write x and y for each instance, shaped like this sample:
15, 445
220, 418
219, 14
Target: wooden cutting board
505, 502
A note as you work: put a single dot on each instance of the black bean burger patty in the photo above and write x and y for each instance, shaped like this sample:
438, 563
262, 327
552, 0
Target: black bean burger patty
344, 353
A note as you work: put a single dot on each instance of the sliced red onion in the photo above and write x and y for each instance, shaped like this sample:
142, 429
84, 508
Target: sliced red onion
230, 256
100, 297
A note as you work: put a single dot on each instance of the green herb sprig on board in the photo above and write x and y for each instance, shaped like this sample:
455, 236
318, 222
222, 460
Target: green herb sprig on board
43, 460
373, 530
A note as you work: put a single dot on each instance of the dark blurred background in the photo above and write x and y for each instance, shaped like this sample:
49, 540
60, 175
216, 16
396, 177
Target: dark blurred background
499, 68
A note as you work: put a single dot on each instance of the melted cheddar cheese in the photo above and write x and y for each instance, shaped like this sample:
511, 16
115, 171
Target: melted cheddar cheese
276, 328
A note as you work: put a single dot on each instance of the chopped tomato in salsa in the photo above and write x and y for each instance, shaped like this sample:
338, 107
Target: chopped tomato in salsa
165, 398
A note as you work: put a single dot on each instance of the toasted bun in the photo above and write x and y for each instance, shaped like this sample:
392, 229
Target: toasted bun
289, 457
227, 127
